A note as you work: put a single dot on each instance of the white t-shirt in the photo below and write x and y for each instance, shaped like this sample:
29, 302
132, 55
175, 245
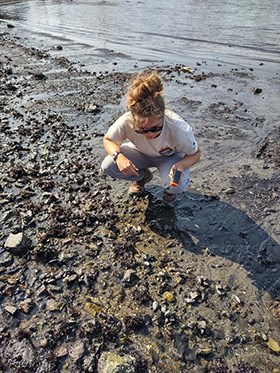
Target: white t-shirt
176, 136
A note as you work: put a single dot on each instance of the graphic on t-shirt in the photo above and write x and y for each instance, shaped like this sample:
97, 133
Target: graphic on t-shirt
166, 151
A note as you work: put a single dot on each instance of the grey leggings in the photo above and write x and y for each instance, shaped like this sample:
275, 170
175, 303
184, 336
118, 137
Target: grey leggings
142, 162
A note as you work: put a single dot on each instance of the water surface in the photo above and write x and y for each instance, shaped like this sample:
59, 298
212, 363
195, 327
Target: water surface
240, 31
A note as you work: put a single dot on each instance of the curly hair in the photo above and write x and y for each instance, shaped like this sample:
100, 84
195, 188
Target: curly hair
144, 97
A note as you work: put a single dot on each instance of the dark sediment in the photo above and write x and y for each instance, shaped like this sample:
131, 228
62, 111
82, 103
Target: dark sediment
190, 290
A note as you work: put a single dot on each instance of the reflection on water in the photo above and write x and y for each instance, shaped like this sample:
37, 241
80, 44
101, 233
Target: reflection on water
156, 28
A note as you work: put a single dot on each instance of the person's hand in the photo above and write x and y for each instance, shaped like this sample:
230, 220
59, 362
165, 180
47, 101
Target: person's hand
176, 166
126, 166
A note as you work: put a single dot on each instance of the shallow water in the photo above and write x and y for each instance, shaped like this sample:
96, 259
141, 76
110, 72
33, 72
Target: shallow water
244, 32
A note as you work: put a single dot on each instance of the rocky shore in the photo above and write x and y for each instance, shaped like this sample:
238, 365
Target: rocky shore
92, 281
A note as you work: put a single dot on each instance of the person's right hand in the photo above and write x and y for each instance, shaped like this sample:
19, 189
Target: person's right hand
126, 166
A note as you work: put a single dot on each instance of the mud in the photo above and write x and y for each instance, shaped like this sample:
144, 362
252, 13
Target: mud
193, 289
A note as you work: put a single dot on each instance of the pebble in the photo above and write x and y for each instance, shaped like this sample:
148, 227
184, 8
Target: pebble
26, 305
155, 306
11, 309
6, 259
76, 350
111, 362
130, 277
18, 244
168, 296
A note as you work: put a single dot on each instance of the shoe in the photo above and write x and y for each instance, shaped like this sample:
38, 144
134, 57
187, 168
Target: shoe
138, 187
169, 200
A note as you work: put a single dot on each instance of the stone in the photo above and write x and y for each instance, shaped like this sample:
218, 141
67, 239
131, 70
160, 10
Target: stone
257, 90
168, 297
18, 244
52, 305
130, 277
27, 305
76, 350
110, 362
155, 305
11, 309
6, 259
61, 351
90, 108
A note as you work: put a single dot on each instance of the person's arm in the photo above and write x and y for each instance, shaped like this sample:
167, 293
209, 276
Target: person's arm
110, 146
123, 163
187, 161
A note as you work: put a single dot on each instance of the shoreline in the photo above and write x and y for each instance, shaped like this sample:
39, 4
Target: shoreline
195, 289
263, 63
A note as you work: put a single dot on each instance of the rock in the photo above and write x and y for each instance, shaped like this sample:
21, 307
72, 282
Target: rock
76, 350
11, 87
52, 305
130, 277
40, 76
11, 309
43, 342
257, 91
30, 325
204, 350
6, 259
42, 290
201, 325
27, 305
192, 297
61, 351
90, 108
110, 362
168, 297
155, 305
18, 244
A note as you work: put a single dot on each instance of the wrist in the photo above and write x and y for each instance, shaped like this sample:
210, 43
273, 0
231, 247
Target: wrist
178, 166
115, 155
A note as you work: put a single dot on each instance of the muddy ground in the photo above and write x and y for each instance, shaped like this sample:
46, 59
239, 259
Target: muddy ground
86, 270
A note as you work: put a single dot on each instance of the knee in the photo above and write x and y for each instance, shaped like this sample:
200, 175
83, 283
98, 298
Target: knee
106, 165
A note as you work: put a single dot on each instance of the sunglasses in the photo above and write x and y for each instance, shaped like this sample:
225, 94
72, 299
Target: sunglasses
147, 130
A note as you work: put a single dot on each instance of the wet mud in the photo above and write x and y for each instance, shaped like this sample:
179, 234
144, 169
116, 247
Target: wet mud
90, 277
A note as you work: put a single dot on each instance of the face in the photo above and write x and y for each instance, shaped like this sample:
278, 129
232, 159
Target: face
150, 127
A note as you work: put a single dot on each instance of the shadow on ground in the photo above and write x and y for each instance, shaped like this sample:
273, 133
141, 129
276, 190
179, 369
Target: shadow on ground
203, 223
